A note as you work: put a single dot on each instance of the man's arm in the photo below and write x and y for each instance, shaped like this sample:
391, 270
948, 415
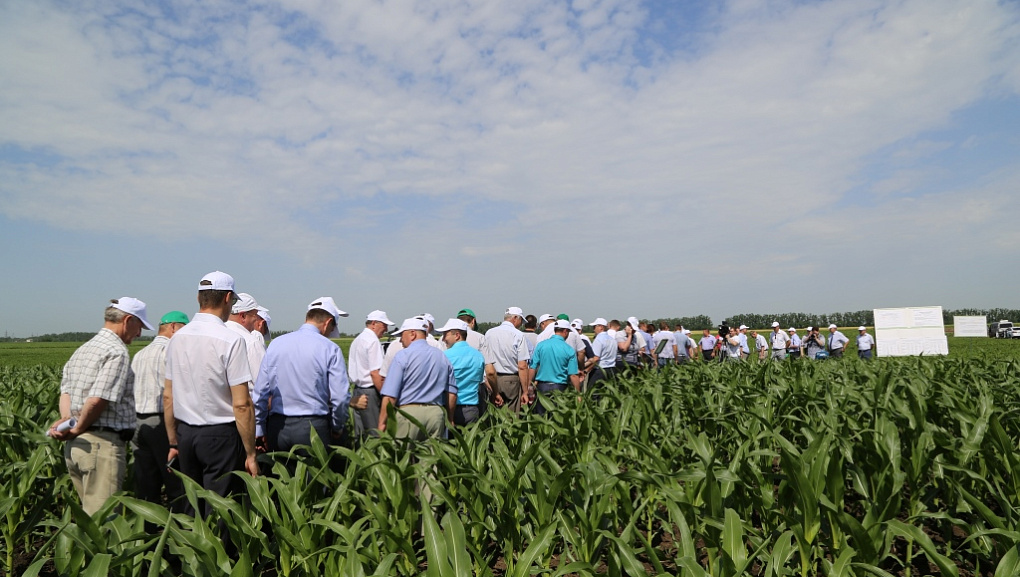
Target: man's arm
383, 413
575, 380
377, 380
169, 421
90, 411
244, 416
526, 375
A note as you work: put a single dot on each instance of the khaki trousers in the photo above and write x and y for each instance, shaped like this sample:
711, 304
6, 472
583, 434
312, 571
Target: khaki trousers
510, 387
431, 417
96, 462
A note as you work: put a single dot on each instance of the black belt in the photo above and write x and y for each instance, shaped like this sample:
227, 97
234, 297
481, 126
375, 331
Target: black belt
124, 434
147, 415
508, 374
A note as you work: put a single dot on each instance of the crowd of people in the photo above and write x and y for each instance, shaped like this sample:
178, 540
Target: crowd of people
208, 394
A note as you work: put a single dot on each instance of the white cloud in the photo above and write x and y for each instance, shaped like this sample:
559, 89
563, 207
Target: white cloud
211, 118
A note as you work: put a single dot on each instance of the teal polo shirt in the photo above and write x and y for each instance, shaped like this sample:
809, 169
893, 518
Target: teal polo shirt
554, 361
468, 370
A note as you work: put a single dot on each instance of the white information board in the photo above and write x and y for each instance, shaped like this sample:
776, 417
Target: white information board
910, 331
970, 327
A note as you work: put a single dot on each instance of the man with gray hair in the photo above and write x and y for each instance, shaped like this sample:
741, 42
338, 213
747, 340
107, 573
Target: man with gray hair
243, 317
97, 405
506, 361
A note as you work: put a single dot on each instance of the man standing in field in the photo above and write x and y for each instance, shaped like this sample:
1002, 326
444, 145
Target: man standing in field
604, 347
761, 345
421, 383
506, 361
97, 405
669, 350
209, 415
554, 365
261, 331
707, 345
303, 384
813, 342
837, 342
745, 349
793, 349
468, 370
366, 360
780, 341
865, 344
150, 444
243, 317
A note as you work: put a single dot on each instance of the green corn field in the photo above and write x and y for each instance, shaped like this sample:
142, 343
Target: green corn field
838, 468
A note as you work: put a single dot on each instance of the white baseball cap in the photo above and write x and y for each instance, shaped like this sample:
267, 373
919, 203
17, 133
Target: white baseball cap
809, 329
599, 321
561, 324
742, 327
633, 322
546, 317
832, 326
791, 330
431, 319
264, 314
327, 304
862, 328
245, 302
381, 317
412, 324
218, 281
578, 324
514, 311
687, 331
133, 307
453, 325
775, 323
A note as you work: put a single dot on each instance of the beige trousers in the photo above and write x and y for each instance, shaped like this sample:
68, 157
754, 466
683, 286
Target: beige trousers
96, 462
432, 417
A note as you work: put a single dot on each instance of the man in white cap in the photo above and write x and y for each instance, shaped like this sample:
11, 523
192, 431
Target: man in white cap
745, 349
209, 414
97, 405
150, 444
545, 325
261, 331
604, 347
813, 342
366, 360
793, 349
629, 342
243, 316
865, 343
780, 341
506, 361
468, 370
837, 342
554, 365
432, 341
420, 383
303, 384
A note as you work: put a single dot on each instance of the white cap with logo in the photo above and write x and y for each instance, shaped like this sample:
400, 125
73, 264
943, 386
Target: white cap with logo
327, 304
561, 324
412, 324
133, 307
454, 325
218, 281
514, 311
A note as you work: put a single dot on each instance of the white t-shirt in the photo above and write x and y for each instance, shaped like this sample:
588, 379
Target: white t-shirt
256, 352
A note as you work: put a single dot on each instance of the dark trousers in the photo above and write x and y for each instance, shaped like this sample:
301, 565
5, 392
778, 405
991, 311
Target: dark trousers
465, 414
208, 454
366, 421
836, 353
707, 355
150, 447
600, 374
864, 354
545, 390
284, 433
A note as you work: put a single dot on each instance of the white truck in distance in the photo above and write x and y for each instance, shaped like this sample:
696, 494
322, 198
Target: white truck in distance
1003, 330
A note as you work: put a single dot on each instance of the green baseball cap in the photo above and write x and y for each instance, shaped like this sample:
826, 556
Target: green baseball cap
174, 317
563, 317
468, 312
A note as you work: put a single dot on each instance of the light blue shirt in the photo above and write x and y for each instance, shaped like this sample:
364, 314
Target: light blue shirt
302, 374
604, 347
865, 342
554, 361
648, 342
682, 343
836, 340
468, 370
708, 343
420, 374
795, 341
743, 344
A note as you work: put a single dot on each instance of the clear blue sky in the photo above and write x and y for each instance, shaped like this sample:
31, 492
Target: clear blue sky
600, 158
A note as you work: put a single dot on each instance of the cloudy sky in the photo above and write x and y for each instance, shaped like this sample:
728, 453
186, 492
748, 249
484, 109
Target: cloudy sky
601, 158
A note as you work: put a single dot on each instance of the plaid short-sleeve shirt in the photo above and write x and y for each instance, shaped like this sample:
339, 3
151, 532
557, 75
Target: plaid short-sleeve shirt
102, 368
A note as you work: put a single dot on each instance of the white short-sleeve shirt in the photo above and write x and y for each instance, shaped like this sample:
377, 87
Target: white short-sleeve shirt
203, 360
365, 356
